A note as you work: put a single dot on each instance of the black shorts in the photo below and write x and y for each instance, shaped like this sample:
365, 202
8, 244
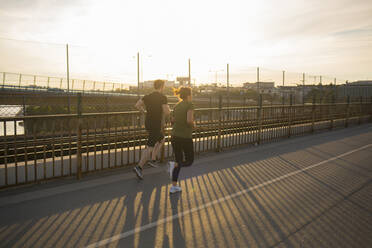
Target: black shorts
155, 135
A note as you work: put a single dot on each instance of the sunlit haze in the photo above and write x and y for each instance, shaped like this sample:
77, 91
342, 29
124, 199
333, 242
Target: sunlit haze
329, 37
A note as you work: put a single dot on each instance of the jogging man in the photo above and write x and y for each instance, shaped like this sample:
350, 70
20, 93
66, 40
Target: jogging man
156, 106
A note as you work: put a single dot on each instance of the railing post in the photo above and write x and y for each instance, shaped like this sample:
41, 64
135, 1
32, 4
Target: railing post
259, 118
347, 111
360, 111
162, 149
313, 114
290, 115
34, 82
106, 104
79, 131
370, 109
219, 123
4, 80
24, 106
331, 108
19, 80
282, 120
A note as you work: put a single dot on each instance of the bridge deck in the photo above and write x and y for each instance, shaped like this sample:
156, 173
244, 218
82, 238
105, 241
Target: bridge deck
313, 191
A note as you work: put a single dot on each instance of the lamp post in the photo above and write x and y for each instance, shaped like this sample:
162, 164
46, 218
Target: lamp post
138, 75
189, 73
68, 79
139, 68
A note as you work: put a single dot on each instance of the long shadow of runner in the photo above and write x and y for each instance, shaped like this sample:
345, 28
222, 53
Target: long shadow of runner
178, 237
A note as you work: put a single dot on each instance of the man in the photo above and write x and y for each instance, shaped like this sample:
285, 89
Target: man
157, 109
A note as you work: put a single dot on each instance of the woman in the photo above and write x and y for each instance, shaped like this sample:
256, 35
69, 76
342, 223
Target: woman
183, 123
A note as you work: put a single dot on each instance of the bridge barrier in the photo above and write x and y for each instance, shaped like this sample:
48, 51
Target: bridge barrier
55, 146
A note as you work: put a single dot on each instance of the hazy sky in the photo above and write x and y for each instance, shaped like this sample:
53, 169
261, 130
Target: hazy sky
319, 37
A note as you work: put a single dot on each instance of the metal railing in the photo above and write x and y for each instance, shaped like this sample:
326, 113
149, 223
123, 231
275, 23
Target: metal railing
27, 82
52, 146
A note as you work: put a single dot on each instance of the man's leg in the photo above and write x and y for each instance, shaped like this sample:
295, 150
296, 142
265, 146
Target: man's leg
145, 156
157, 149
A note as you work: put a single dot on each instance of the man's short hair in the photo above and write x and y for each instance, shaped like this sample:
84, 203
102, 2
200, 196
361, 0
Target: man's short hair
158, 84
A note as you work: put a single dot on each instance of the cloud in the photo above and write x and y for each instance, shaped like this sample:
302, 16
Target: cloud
318, 36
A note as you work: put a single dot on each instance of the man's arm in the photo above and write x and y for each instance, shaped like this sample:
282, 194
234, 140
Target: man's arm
140, 105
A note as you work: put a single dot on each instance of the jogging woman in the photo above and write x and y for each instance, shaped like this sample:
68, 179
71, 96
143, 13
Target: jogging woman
183, 119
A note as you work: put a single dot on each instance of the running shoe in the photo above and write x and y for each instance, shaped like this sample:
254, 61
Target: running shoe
175, 189
138, 171
153, 163
170, 165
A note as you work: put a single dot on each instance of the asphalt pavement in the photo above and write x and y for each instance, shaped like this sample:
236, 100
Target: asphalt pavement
310, 191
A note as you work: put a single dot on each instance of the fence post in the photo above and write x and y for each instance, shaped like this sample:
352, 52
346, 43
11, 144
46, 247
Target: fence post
162, 149
34, 82
370, 109
290, 115
79, 130
219, 123
283, 102
24, 106
20, 81
360, 110
313, 114
347, 111
331, 111
259, 118
3, 80
106, 104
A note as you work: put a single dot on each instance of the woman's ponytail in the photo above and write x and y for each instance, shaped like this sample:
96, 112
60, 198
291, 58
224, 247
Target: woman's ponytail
182, 92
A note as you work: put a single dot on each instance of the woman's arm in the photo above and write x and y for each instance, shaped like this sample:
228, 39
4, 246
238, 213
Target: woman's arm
190, 117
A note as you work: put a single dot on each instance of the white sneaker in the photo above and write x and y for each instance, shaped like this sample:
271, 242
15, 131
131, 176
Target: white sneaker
153, 163
175, 189
170, 168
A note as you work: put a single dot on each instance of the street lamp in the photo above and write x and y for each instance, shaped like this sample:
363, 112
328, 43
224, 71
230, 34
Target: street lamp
138, 71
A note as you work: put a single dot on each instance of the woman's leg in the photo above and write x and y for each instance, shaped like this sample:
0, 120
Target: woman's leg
178, 154
182, 146
188, 149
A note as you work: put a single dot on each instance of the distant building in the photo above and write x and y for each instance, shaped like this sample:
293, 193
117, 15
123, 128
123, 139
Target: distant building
264, 87
150, 84
208, 88
362, 88
296, 91
361, 83
182, 80
287, 91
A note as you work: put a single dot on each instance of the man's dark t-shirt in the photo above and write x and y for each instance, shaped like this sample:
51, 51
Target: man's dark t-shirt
154, 108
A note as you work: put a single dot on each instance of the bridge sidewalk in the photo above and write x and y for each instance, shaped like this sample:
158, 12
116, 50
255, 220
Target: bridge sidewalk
313, 190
